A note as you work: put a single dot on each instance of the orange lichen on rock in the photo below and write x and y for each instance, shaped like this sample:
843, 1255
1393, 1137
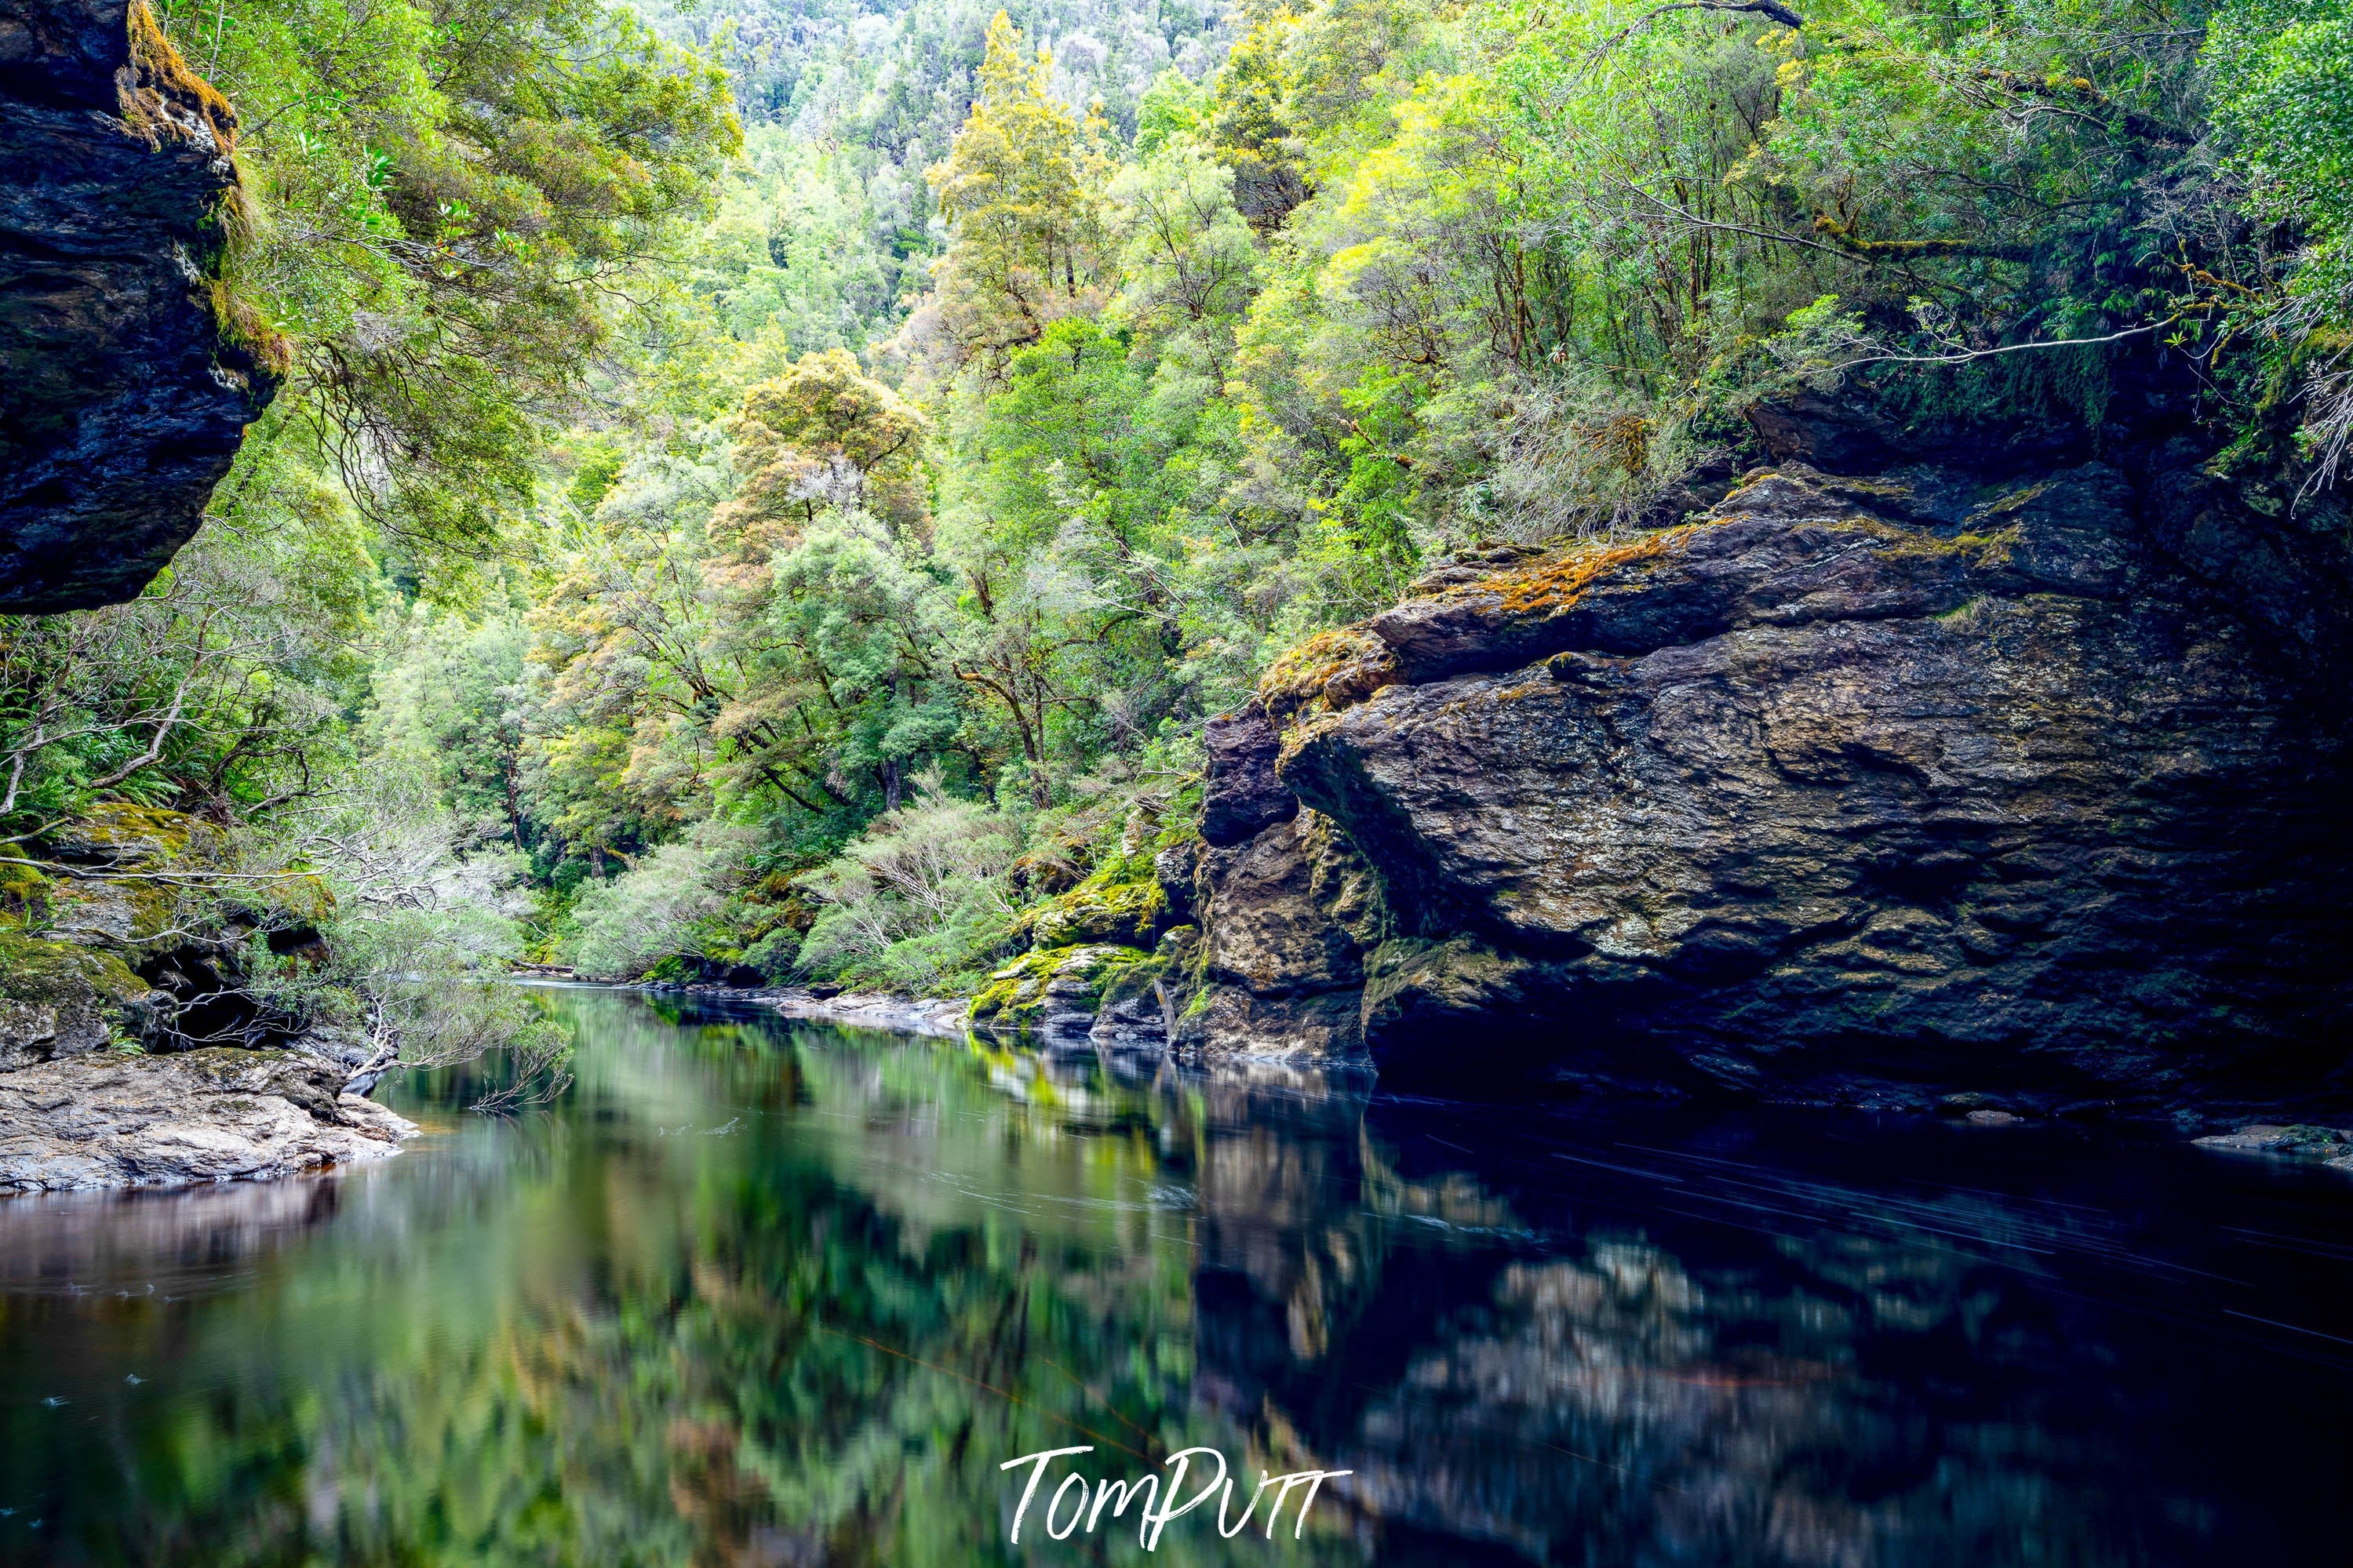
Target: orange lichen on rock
1556, 583
158, 80
161, 96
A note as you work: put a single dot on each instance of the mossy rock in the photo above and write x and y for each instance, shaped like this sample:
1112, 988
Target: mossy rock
1171, 964
1550, 586
1129, 912
24, 895
31, 970
59, 999
111, 912
1330, 670
122, 834
1050, 984
1044, 872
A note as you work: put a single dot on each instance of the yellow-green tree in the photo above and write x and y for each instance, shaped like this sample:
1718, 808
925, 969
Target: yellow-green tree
824, 434
1252, 129
1021, 186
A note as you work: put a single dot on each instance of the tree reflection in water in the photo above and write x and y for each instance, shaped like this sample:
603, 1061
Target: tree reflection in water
761, 1293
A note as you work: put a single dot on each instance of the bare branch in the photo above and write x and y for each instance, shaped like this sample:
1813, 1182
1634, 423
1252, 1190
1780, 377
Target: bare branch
1963, 356
1771, 10
163, 726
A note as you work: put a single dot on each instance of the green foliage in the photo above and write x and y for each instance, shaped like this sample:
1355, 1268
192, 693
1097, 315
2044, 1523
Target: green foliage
448, 198
2284, 108
980, 446
920, 902
222, 688
653, 913
1021, 189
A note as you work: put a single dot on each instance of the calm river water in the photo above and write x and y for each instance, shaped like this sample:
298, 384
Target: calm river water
766, 1293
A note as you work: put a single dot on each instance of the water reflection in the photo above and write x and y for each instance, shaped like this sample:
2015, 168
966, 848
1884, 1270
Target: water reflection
761, 1293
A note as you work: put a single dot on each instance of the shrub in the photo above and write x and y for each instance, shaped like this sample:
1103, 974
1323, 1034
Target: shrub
921, 902
658, 908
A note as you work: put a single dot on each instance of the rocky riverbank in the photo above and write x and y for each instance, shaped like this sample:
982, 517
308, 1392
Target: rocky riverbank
938, 1017
1926, 763
134, 1048
115, 1120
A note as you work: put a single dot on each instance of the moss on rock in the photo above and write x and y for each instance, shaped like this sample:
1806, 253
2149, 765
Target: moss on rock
1111, 906
58, 999
33, 970
1050, 984
1332, 669
1172, 961
24, 895
127, 834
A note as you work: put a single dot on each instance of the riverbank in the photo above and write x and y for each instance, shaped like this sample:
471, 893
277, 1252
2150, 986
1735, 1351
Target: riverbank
941, 1018
118, 1119
935, 1017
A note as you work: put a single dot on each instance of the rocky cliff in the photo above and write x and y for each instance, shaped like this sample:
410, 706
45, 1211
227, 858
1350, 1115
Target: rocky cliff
131, 374
1927, 763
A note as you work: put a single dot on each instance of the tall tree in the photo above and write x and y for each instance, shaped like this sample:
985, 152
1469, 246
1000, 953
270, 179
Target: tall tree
1021, 189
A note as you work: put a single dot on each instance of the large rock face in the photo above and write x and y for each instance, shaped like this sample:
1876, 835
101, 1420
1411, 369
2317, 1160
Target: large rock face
1866, 788
124, 399
1283, 967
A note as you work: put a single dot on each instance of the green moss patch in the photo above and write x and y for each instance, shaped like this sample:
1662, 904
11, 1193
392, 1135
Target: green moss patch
1331, 670
34, 971
1170, 964
1016, 996
24, 895
1107, 907
130, 835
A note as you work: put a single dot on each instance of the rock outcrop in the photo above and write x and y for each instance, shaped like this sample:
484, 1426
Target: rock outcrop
2329, 1146
215, 1115
134, 1051
1293, 910
875, 1010
131, 375
1053, 992
59, 999
1976, 766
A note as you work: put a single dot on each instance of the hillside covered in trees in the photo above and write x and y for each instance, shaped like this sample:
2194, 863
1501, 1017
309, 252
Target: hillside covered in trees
780, 488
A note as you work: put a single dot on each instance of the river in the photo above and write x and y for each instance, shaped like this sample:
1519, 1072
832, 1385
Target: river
756, 1293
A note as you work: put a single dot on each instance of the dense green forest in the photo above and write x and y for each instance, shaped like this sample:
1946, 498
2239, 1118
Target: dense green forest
778, 485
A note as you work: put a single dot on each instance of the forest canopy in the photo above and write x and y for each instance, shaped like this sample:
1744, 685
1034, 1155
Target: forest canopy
793, 478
